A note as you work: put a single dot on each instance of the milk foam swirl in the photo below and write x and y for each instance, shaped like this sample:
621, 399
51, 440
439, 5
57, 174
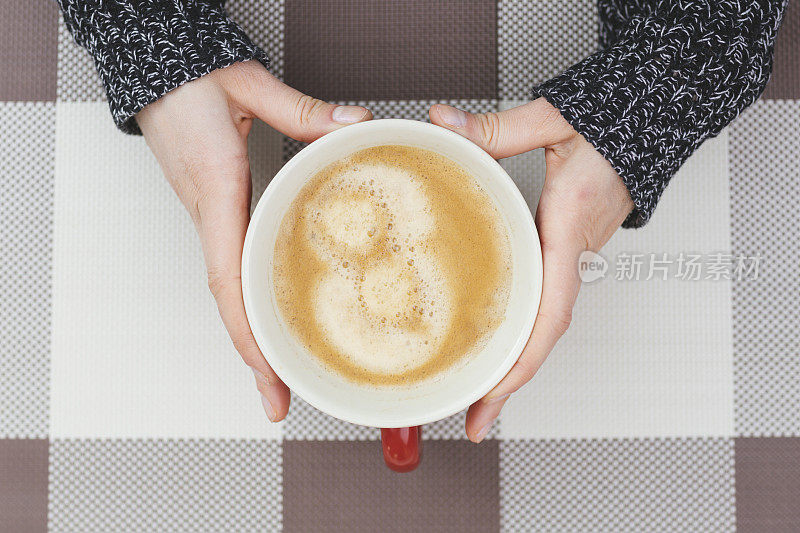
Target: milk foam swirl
382, 301
392, 265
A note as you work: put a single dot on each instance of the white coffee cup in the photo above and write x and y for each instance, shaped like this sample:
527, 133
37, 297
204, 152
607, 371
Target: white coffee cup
390, 407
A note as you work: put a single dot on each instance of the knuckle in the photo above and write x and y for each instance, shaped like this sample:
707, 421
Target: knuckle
219, 282
263, 380
562, 139
573, 215
489, 130
561, 321
549, 116
215, 283
306, 108
567, 207
527, 369
262, 386
549, 246
246, 345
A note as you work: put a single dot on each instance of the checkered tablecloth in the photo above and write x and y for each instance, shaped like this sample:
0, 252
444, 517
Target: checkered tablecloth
670, 405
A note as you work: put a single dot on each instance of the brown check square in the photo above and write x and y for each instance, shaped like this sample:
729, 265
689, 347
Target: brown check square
767, 484
785, 80
344, 486
23, 485
28, 51
416, 50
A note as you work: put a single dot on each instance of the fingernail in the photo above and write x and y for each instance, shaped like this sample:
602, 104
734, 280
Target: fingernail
484, 430
497, 399
452, 116
271, 414
348, 114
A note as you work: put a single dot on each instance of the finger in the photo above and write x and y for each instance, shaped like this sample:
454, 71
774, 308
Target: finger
223, 214
560, 288
561, 283
481, 417
293, 113
510, 132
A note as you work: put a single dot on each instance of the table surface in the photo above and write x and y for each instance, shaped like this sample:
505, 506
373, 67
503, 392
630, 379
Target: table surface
671, 404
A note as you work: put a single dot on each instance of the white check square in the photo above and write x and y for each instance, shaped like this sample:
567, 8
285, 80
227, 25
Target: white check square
138, 349
646, 358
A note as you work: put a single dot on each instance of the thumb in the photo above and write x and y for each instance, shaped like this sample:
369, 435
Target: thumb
290, 111
510, 132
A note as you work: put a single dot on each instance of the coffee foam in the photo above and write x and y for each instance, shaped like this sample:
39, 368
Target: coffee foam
364, 224
369, 270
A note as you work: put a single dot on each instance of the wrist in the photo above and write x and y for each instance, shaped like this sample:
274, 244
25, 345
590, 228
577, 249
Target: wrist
146, 48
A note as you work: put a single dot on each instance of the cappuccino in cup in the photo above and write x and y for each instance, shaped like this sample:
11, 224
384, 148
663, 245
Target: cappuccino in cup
392, 266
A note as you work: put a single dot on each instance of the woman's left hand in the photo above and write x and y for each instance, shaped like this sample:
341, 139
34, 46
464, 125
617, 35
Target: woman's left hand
582, 204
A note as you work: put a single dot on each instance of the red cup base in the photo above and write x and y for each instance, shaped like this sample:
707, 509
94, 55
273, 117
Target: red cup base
402, 448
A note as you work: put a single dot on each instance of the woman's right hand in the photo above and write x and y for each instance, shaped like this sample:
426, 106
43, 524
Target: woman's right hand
198, 133
583, 203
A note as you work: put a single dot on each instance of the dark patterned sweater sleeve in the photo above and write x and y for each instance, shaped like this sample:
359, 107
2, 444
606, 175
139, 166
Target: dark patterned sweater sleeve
144, 48
670, 73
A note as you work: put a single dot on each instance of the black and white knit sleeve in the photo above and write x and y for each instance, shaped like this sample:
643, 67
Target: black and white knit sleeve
670, 73
145, 48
